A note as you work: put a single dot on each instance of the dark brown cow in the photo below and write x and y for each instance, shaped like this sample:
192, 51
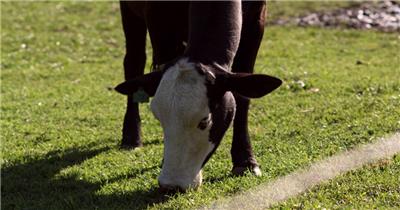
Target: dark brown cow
192, 92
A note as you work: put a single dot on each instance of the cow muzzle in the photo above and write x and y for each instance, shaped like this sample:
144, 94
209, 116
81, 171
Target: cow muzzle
168, 185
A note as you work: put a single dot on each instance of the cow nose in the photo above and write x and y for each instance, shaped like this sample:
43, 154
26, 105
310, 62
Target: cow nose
170, 189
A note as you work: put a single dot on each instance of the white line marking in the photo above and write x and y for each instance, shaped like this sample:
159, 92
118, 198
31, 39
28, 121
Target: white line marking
265, 195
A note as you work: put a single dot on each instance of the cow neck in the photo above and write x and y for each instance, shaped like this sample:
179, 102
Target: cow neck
214, 32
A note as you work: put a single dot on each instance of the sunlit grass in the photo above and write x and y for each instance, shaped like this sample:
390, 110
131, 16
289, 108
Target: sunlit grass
61, 121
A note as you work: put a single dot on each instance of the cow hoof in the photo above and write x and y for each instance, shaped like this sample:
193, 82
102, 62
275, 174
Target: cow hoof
128, 144
240, 171
130, 147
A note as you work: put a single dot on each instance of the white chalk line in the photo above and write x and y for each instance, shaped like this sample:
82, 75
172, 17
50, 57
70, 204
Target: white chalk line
265, 195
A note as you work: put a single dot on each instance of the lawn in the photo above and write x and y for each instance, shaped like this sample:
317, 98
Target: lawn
61, 120
375, 186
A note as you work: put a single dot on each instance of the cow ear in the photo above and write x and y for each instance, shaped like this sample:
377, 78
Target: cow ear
148, 82
251, 85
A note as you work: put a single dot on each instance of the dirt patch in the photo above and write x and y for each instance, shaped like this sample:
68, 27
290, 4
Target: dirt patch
382, 16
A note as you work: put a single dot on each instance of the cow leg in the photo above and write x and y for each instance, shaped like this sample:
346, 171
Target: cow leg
251, 36
134, 63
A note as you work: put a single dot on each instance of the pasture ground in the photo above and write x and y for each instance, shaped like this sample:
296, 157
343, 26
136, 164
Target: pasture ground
61, 120
281, 189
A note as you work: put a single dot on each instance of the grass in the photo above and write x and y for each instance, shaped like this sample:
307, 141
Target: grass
375, 186
61, 121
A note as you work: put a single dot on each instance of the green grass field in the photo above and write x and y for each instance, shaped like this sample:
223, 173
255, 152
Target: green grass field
375, 186
61, 120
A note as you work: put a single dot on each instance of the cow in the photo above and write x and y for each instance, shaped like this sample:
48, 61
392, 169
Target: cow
204, 54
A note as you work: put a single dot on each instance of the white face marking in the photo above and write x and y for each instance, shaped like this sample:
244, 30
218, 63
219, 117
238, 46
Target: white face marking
180, 104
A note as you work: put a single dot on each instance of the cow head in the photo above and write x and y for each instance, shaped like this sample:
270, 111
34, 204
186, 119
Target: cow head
195, 106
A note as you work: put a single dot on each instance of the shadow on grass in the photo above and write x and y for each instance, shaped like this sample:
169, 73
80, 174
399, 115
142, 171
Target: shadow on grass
33, 185
217, 179
153, 142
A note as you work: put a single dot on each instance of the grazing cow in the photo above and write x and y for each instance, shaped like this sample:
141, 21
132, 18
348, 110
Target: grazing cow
195, 95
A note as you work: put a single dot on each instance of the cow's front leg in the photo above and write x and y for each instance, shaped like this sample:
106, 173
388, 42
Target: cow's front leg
134, 62
241, 151
251, 36
131, 130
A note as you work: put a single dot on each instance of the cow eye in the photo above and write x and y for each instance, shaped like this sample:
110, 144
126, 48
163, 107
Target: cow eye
204, 123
